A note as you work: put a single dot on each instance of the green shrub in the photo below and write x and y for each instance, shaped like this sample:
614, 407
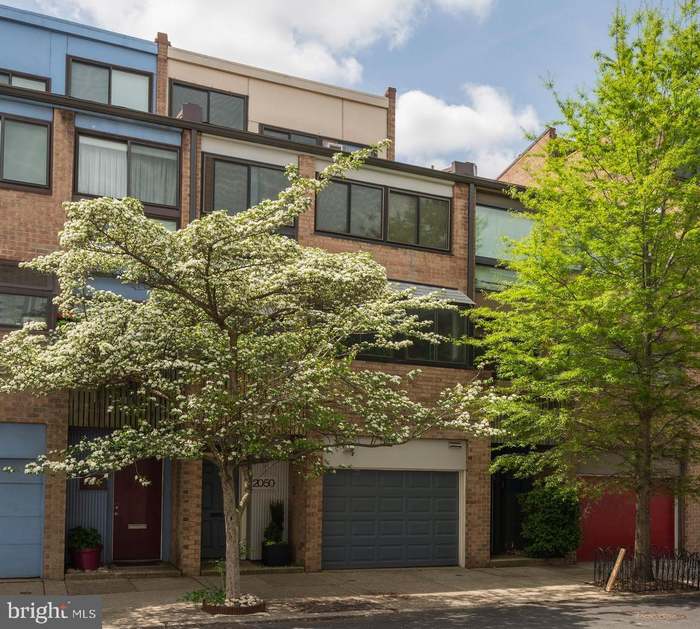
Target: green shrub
551, 526
80, 538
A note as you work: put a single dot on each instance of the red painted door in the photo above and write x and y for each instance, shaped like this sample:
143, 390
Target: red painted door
137, 512
609, 521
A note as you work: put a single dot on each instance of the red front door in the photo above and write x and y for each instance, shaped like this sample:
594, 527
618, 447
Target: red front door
137, 512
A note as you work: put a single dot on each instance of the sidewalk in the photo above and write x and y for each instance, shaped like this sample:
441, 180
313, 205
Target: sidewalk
153, 602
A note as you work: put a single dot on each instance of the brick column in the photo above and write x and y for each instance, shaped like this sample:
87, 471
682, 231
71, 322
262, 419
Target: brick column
162, 74
391, 122
478, 507
185, 192
460, 233
187, 517
305, 223
313, 529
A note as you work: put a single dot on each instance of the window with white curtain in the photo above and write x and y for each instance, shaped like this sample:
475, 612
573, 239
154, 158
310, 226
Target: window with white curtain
117, 169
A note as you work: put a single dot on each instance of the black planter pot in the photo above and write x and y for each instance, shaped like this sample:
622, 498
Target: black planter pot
275, 554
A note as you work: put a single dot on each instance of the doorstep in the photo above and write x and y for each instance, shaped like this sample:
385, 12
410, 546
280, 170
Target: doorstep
519, 561
125, 572
251, 567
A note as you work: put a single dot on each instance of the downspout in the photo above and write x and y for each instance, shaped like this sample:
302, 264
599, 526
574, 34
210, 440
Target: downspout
193, 174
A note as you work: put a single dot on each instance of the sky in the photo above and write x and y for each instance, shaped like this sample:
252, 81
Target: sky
469, 73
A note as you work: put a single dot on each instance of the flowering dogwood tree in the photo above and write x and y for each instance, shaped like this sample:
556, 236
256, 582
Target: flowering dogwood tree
246, 338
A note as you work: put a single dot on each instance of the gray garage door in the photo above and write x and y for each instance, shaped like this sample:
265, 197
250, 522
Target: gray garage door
385, 519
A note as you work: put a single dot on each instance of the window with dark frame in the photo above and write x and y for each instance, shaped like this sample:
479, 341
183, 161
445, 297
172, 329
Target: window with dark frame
219, 108
25, 296
447, 323
307, 138
119, 168
494, 228
24, 151
350, 208
26, 81
360, 210
111, 85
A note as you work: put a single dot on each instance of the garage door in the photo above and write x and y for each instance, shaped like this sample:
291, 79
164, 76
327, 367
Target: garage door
21, 501
385, 519
609, 522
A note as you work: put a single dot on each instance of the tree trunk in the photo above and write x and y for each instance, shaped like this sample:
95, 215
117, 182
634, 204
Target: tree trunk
642, 522
232, 520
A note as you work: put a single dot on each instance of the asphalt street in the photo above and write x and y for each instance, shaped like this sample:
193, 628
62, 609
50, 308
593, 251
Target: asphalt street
682, 612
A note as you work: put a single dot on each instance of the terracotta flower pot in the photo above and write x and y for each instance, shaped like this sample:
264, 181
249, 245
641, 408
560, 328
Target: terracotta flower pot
86, 558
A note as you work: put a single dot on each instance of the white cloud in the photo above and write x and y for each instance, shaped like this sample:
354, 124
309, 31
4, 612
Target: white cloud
317, 39
487, 129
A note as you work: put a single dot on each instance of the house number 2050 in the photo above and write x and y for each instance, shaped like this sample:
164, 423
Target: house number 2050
263, 482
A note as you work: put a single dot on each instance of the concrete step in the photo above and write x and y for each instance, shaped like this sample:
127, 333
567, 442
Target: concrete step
253, 567
125, 572
519, 561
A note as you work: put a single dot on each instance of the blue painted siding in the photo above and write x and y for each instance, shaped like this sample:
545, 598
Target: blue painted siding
38, 44
28, 110
115, 126
21, 501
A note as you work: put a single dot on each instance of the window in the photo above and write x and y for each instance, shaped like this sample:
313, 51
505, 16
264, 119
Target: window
495, 227
219, 108
25, 296
110, 85
418, 220
26, 81
350, 208
237, 186
444, 322
25, 152
119, 168
309, 138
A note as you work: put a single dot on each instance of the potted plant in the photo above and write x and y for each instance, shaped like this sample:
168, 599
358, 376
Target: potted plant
85, 545
275, 551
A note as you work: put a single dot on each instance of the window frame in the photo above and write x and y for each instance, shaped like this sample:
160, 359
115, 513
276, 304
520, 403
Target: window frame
108, 66
387, 190
208, 170
31, 291
150, 209
319, 138
403, 359
25, 75
348, 211
203, 88
23, 185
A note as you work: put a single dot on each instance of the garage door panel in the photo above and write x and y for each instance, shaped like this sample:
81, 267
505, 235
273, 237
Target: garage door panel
17, 475
20, 560
414, 519
20, 500
22, 530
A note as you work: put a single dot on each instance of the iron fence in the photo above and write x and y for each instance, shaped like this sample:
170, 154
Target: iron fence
667, 571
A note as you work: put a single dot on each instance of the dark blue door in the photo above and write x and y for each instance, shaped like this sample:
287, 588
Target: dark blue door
21, 501
384, 519
213, 531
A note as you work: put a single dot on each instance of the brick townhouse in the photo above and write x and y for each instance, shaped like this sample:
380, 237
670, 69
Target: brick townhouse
86, 112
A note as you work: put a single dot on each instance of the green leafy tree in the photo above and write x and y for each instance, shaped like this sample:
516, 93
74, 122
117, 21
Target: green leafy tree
247, 339
598, 336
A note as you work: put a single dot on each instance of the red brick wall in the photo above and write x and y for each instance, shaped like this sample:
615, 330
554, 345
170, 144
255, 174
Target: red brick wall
187, 516
391, 122
162, 74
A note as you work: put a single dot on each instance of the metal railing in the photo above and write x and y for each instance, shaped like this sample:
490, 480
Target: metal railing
667, 571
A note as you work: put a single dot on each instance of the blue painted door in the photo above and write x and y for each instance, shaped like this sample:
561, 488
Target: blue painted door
21, 501
387, 519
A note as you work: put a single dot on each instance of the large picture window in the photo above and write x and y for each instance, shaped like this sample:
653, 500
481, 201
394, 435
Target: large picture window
236, 186
447, 323
361, 210
350, 208
119, 168
219, 108
25, 296
24, 158
495, 229
110, 85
